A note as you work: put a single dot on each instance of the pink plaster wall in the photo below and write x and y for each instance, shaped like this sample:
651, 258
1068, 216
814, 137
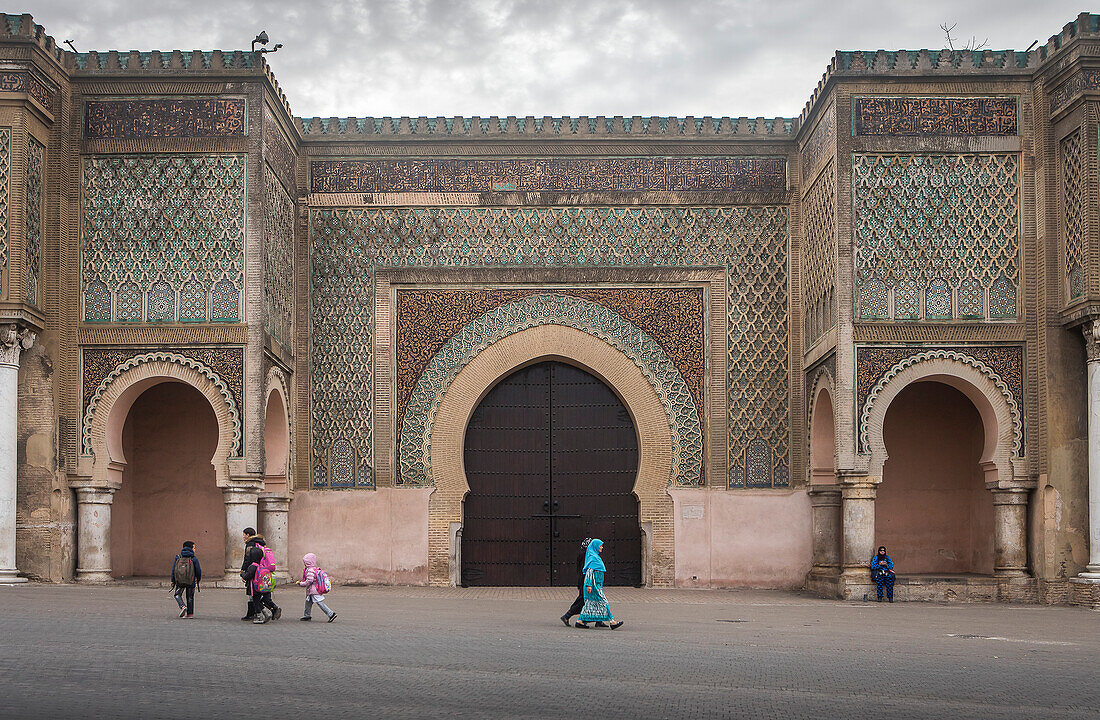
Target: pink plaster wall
363, 536
932, 511
745, 538
168, 491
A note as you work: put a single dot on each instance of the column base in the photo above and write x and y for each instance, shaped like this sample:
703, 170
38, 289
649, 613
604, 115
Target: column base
11, 577
94, 577
1085, 591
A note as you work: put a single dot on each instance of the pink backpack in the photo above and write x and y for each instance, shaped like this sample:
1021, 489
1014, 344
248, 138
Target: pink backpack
321, 582
264, 581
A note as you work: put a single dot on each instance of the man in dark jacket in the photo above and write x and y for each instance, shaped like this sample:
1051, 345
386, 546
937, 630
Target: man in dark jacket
575, 608
185, 580
251, 555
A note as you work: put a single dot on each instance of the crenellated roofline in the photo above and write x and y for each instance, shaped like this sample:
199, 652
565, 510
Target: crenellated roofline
844, 64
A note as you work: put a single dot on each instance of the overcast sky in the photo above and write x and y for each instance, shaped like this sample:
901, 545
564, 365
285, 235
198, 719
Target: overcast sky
538, 57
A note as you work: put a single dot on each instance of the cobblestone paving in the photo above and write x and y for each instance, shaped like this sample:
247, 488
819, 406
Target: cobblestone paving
462, 653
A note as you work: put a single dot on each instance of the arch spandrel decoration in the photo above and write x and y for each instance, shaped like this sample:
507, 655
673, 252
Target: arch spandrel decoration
985, 387
217, 382
414, 452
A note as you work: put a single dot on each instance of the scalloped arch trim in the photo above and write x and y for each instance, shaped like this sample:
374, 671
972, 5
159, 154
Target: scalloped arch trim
414, 452
988, 372
177, 359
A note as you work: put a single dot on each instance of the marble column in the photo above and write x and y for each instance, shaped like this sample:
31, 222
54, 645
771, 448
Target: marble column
858, 512
93, 534
1010, 532
826, 503
1092, 349
240, 512
273, 513
13, 341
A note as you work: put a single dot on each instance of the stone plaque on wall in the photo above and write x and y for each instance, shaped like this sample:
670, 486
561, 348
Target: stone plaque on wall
164, 118
933, 116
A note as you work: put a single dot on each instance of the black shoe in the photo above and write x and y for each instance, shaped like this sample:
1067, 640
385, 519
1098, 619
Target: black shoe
248, 617
332, 617
582, 626
183, 611
565, 620
601, 623
277, 613
307, 618
891, 599
616, 625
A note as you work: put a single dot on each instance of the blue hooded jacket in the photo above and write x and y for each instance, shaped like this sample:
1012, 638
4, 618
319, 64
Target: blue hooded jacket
592, 559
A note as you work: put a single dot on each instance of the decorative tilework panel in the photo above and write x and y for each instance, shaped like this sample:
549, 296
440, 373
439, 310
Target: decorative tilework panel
971, 300
819, 255
97, 302
226, 362
348, 244
426, 319
164, 117
930, 117
278, 260
1076, 223
873, 362
277, 151
32, 249
180, 218
1084, 81
932, 221
550, 174
414, 449
821, 147
161, 301
22, 82
907, 298
1002, 299
5, 198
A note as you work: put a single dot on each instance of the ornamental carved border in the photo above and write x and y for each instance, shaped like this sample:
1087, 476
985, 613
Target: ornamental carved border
1003, 364
164, 118
1084, 81
622, 174
934, 116
223, 365
24, 82
425, 319
414, 450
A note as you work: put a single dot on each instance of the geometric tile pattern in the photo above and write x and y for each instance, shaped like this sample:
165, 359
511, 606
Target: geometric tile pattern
425, 320
278, 259
1076, 225
5, 199
935, 226
166, 228
551, 309
224, 365
32, 249
1005, 363
347, 245
560, 174
164, 117
928, 117
819, 255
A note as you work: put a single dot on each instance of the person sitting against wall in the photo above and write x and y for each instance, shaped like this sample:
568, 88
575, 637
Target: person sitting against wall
882, 572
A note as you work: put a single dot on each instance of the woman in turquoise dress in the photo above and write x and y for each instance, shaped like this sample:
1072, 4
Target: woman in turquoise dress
596, 608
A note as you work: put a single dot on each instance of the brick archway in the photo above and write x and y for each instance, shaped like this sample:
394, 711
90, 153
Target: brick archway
619, 372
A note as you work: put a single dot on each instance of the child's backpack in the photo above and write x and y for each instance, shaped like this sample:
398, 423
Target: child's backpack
322, 582
265, 572
184, 571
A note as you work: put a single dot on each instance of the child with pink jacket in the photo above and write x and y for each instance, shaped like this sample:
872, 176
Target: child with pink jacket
314, 592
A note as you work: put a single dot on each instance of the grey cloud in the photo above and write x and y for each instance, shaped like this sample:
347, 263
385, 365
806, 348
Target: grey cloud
573, 57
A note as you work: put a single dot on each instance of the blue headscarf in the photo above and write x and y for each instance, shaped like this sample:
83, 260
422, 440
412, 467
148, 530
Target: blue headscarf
592, 559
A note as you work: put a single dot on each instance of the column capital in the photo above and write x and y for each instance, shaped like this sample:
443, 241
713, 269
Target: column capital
14, 339
1091, 332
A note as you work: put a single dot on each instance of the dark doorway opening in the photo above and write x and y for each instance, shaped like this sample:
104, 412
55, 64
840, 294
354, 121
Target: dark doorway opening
551, 456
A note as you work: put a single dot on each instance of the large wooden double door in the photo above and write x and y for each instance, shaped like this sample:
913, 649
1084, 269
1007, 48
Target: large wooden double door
551, 457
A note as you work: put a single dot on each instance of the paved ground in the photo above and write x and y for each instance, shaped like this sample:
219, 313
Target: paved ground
419, 652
